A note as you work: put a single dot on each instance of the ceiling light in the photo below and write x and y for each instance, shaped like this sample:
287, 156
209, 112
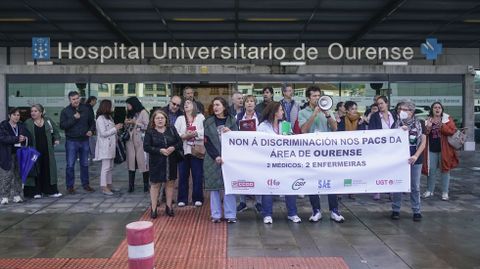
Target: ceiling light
198, 19
17, 19
272, 19
395, 63
292, 63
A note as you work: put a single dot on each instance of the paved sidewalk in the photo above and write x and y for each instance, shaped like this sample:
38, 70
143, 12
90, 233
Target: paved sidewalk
91, 225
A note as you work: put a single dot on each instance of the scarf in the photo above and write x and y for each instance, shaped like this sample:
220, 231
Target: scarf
351, 122
415, 130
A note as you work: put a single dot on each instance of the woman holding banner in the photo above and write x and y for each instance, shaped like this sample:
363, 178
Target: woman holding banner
214, 126
383, 119
244, 120
352, 121
417, 139
272, 115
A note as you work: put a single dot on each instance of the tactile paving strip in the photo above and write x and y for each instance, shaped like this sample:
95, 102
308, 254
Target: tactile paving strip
187, 241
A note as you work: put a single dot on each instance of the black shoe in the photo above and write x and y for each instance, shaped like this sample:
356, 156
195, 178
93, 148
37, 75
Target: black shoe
88, 188
417, 217
259, 208
241, 207
153, 213
131, 181
169, 211
395, 215
146, 179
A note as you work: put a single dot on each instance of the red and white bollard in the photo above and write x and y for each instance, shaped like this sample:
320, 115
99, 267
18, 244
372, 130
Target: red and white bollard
140, 245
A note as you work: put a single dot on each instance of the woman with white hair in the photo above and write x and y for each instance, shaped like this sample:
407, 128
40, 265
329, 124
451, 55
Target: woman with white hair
416, 134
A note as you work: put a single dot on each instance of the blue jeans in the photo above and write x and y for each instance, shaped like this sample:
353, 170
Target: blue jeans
196, 166
229, 205
73, 149
315, 202
415, 173
290, 201
435, 167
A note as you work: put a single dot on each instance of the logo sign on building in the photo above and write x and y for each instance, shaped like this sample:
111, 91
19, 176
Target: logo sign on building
431, 48
41, 48
165, 51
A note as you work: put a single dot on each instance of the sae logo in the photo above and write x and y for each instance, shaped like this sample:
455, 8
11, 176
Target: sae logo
324, 184
431, 48
41, 48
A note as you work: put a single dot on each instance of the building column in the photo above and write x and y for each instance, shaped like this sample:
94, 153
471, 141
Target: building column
3, 96
468, 109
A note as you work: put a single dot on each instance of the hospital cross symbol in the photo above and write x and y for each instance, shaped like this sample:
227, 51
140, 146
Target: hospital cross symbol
431, 48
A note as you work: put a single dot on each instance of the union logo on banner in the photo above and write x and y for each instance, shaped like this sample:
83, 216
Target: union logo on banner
41, 48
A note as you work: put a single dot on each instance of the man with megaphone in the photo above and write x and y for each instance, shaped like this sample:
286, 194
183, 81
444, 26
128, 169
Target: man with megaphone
316, 118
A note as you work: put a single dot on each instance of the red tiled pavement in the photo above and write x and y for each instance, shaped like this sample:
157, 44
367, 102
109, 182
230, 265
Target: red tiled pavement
189, 240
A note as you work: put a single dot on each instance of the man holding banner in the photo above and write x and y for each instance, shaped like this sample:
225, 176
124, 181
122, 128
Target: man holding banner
313, 119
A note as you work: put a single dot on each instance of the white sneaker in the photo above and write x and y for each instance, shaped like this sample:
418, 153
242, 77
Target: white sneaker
4, 201
37, 196
181, 204
295, 219
315, 217
335, 216
56, 195
427, 194
268, 220
445, 196
17, 199
198, 203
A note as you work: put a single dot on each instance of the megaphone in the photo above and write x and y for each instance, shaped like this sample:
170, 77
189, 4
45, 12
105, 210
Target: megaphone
325, 102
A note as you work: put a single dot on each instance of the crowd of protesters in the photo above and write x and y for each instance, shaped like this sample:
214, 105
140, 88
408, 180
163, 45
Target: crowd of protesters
182, 141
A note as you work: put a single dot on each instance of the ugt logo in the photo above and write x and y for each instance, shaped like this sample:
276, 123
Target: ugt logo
431, 48
41, 48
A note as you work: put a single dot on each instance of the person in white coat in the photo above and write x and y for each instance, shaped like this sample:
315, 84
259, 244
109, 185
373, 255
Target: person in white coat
106, 144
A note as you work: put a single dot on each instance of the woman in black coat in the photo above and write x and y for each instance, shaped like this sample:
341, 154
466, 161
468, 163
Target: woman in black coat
12, 134
383, 119
165, 147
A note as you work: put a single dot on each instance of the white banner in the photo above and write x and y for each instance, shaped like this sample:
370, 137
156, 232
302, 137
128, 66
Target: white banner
320, 163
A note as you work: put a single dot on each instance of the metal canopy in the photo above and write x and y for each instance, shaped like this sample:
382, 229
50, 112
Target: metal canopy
456, 23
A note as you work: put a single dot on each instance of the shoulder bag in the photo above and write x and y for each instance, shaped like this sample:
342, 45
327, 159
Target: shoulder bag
457, 139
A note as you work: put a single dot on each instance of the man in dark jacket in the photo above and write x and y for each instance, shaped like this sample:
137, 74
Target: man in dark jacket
78, 122
189, 94
173, 109
267, 99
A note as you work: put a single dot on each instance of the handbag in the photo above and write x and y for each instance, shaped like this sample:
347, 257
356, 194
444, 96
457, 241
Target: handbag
198, 151
125, 135
457, 139
120, 152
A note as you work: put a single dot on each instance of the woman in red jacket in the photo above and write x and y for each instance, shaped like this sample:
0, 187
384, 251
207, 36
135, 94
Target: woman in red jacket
439, 154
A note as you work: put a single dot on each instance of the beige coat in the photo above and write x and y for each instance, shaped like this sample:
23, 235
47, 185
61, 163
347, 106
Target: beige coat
135, 144
106, 139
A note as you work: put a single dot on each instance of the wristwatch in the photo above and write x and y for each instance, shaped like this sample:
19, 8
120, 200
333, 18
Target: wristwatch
328, 116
